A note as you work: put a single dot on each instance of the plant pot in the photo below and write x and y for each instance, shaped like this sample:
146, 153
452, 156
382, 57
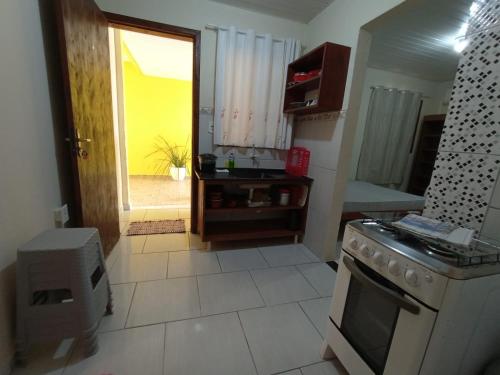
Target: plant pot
178, 174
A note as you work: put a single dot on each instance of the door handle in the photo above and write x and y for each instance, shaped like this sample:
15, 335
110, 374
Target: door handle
79, 140
76, 144
380, 289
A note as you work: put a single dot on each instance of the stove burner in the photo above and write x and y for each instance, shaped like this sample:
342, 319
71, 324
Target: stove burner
427, 247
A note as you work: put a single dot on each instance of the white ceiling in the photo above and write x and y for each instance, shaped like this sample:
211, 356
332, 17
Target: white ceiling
297, 10
160, 57
417, 38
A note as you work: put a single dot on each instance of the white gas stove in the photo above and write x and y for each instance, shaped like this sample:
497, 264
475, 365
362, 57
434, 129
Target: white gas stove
405, 305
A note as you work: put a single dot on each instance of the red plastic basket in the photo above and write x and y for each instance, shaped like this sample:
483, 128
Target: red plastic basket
297, 161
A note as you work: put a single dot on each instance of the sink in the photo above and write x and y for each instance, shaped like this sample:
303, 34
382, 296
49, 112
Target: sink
256, 173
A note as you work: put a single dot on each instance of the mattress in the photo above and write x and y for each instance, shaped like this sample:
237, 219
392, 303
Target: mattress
363, 196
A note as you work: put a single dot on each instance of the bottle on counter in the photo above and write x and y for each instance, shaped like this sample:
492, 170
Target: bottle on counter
284, 197
231, 160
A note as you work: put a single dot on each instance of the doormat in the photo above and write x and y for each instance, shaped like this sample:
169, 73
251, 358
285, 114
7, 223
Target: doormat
137, 228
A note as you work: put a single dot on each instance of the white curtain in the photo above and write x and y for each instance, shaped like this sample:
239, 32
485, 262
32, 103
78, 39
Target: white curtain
390, 126
249, 89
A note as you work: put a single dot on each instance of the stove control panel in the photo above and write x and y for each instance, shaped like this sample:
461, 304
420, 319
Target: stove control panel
412, 277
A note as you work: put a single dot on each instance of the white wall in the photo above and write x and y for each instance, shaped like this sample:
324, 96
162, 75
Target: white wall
435, 94
29, 187
339, 23
195, 14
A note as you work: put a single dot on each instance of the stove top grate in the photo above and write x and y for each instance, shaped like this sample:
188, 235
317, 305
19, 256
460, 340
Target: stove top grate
480, 251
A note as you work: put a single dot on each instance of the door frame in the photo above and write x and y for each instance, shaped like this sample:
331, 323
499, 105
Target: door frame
164, 30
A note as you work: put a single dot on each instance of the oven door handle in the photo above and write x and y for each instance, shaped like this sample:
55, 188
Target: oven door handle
382, 290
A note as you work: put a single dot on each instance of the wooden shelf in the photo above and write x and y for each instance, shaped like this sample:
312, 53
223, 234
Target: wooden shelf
236, 223
247, 229
333, 62
302, 110
308, 85
251, 209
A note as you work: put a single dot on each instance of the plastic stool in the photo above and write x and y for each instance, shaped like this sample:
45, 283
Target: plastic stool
62, 288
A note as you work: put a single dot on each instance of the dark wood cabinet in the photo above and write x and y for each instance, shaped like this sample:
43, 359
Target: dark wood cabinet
238, 221
427, 149
323, 92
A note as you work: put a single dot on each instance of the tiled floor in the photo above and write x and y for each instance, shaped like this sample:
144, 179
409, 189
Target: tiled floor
159, 191
259, 310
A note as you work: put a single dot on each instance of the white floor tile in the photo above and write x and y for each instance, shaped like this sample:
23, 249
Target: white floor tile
125, 352
139, 267
122, 298
238, 260
162, 214
47, 358
124, 226
321, 276
293, 372
188, 263
227, 292
213, 345
164, 300
131, 244
317, 310
195, 242
325, 368
280, 338
157, 243
282, 285
112, 258
309, 253
286, 255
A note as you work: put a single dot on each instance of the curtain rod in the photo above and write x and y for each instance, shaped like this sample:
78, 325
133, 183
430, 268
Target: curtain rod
215, 28
393, 88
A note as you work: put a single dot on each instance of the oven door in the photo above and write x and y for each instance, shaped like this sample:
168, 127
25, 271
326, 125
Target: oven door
385, 328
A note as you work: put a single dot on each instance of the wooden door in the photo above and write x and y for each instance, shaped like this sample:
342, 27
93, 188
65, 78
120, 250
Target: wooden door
83, 39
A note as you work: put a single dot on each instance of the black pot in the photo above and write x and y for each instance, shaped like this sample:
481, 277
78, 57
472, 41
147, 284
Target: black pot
206, 163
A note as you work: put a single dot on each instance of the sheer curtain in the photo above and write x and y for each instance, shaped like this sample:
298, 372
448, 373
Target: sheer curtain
390, 125
249, 89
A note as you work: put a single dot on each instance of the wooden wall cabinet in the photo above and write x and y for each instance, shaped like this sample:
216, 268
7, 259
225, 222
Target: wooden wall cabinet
327, 89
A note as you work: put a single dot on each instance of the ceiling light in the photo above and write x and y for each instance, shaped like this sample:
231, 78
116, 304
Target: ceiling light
460, 45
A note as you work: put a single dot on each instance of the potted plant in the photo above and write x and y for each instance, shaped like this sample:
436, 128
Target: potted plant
171, 160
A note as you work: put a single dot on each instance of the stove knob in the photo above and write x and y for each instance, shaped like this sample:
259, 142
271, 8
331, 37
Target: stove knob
353, 244
379, 259
394, 267
366, 251
411, 277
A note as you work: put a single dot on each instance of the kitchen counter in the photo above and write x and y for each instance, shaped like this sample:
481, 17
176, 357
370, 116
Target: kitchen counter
239, 221
252, 174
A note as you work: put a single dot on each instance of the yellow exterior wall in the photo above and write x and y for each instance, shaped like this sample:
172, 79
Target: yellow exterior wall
153, 106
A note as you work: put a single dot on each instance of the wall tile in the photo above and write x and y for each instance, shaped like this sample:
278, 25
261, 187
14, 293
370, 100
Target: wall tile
467, 167
461, 188
495, 198
314, 238
488, 16
492, 224
473, 120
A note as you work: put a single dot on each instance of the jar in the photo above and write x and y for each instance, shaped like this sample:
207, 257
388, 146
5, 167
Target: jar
284, 197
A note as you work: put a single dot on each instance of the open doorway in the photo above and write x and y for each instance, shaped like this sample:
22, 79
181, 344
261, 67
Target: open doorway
408, 82
155, 71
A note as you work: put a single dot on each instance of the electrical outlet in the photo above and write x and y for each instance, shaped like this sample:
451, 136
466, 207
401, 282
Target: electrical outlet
61, 215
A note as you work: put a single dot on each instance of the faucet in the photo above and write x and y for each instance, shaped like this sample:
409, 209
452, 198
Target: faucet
253, 157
